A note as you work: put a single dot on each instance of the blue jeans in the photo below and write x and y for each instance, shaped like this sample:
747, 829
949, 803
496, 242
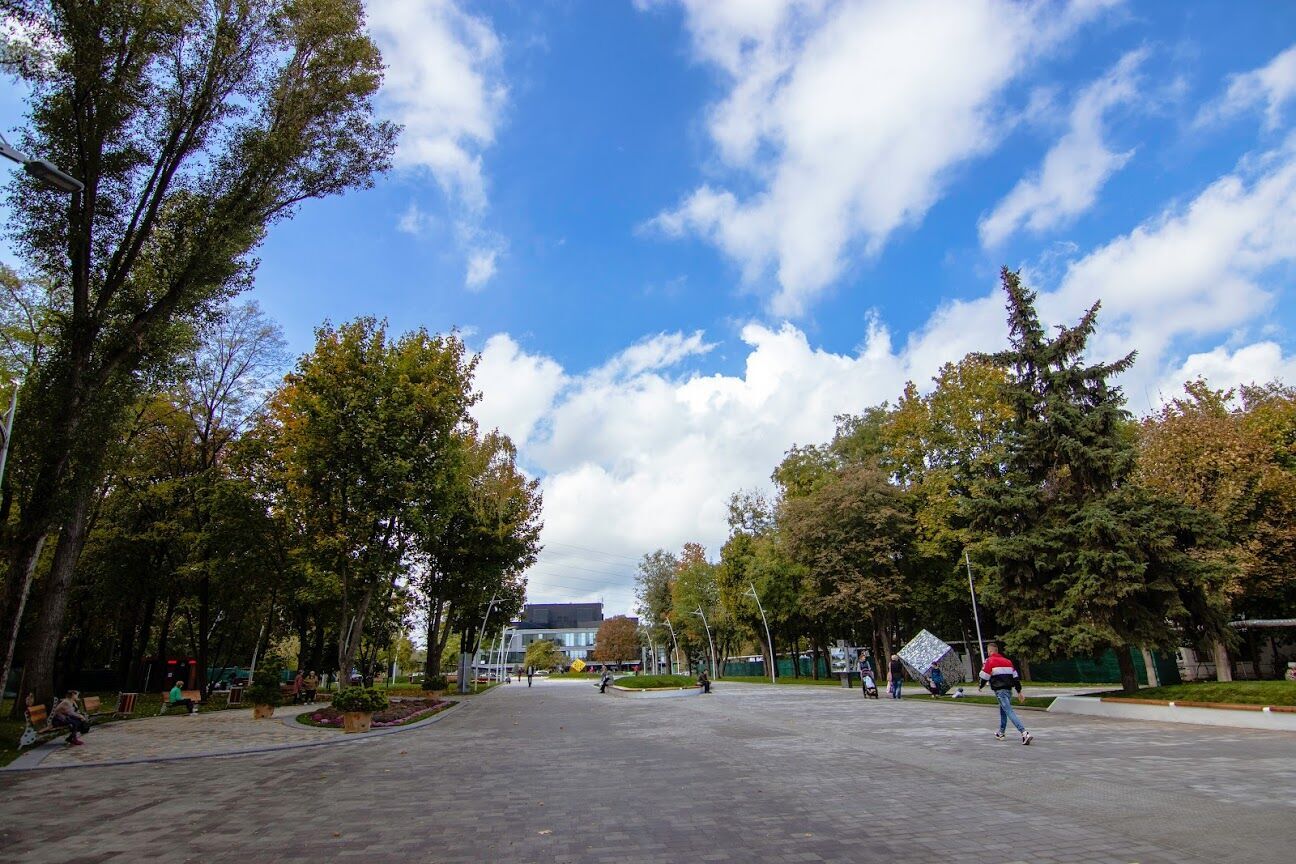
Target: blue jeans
893, 686
1006, 711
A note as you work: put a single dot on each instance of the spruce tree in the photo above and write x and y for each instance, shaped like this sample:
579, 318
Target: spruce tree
1079, 558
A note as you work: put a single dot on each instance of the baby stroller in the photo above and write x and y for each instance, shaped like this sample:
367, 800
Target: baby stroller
870, 687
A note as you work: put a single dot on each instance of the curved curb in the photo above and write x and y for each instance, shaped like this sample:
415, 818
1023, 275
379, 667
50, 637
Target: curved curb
1176, 712
655, 692
31, 761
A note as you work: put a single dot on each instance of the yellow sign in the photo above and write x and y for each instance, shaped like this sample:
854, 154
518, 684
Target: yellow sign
578, 665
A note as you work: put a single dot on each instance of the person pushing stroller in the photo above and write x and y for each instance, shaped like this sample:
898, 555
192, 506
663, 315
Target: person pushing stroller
867, 683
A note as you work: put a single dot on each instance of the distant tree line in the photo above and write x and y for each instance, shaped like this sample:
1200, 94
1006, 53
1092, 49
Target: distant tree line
164, 495
1086, 529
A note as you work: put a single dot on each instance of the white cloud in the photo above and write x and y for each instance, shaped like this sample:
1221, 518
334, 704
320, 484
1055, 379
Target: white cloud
517, 388
444, 85
413, 221
481, 267
1075, 168
1272, 86
637, 454
1257, 363
849, 117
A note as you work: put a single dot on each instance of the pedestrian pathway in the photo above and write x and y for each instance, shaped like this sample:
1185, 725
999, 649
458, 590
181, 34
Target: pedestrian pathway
178, 736
751, 773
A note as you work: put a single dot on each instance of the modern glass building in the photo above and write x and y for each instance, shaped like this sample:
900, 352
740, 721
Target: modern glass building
570, 626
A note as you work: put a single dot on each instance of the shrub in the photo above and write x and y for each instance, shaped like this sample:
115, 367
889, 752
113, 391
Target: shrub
436, 682
360, 699
265, 682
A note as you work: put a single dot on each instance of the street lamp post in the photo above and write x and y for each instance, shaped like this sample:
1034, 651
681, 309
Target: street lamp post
698, 611
44, 171
675, 642
769, 640
975, 616
477, 648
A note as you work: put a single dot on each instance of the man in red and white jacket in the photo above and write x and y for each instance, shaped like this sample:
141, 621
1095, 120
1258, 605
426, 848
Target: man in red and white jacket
1000, 673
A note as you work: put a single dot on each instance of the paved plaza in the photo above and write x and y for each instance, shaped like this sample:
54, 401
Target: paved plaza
558, 773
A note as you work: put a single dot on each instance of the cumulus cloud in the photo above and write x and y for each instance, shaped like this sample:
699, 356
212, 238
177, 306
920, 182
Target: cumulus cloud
517, 388
444, 83
848, 118
1075, 168
640, 453
1257, 363
1271, 86
413, 221
481, 267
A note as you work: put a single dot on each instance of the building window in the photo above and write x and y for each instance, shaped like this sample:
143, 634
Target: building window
568, 640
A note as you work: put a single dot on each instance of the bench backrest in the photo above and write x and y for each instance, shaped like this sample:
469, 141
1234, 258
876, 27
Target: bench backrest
91, 704
37, 714
126, 703
184, 694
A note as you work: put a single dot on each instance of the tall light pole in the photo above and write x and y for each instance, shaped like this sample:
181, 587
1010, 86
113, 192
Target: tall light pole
480, 633
769, 640
44, 171
675, 642
975, 616
698, 612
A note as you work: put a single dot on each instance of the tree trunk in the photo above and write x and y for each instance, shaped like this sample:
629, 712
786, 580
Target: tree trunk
1223, 666
19, 584
47, 629
1129, 678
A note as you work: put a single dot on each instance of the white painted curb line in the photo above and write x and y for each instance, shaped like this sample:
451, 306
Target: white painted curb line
1239, 719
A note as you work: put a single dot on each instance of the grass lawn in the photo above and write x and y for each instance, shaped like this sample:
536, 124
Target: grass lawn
822, 682
643, 682
1236, 692
1036, 702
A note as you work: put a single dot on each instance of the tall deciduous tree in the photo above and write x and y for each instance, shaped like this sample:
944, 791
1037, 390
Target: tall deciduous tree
1226, 454
1080, 559
617, 640
357, 430
193, 126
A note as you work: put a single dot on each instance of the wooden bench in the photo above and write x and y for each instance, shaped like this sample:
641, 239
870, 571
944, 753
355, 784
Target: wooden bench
195, 695
38, 726
234, 696
125, 704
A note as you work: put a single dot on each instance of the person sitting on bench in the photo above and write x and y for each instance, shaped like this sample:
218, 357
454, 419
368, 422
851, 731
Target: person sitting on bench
704, 681
66, 714
177, 697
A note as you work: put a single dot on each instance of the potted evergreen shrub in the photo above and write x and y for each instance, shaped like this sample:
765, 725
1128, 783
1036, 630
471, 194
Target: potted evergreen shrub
358, 705
435, 685
264, 694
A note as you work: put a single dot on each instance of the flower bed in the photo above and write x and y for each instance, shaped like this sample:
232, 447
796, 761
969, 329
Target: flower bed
399, 713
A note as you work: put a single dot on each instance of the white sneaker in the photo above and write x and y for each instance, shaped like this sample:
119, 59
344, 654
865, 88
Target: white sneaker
1027, 737
999, 736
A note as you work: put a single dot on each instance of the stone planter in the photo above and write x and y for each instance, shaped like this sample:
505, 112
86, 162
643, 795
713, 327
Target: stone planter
357, 721
262, 712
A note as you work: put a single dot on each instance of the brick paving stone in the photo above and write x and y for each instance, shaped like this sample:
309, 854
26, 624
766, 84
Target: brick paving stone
558, 773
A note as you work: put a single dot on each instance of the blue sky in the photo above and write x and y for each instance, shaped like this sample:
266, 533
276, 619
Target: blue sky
684, 234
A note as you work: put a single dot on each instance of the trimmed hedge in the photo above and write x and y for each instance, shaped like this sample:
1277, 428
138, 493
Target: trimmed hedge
649, 682
360, 699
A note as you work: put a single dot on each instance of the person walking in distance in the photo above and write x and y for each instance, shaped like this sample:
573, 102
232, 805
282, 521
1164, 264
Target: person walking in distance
1000, 673
895, 676
530, 673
